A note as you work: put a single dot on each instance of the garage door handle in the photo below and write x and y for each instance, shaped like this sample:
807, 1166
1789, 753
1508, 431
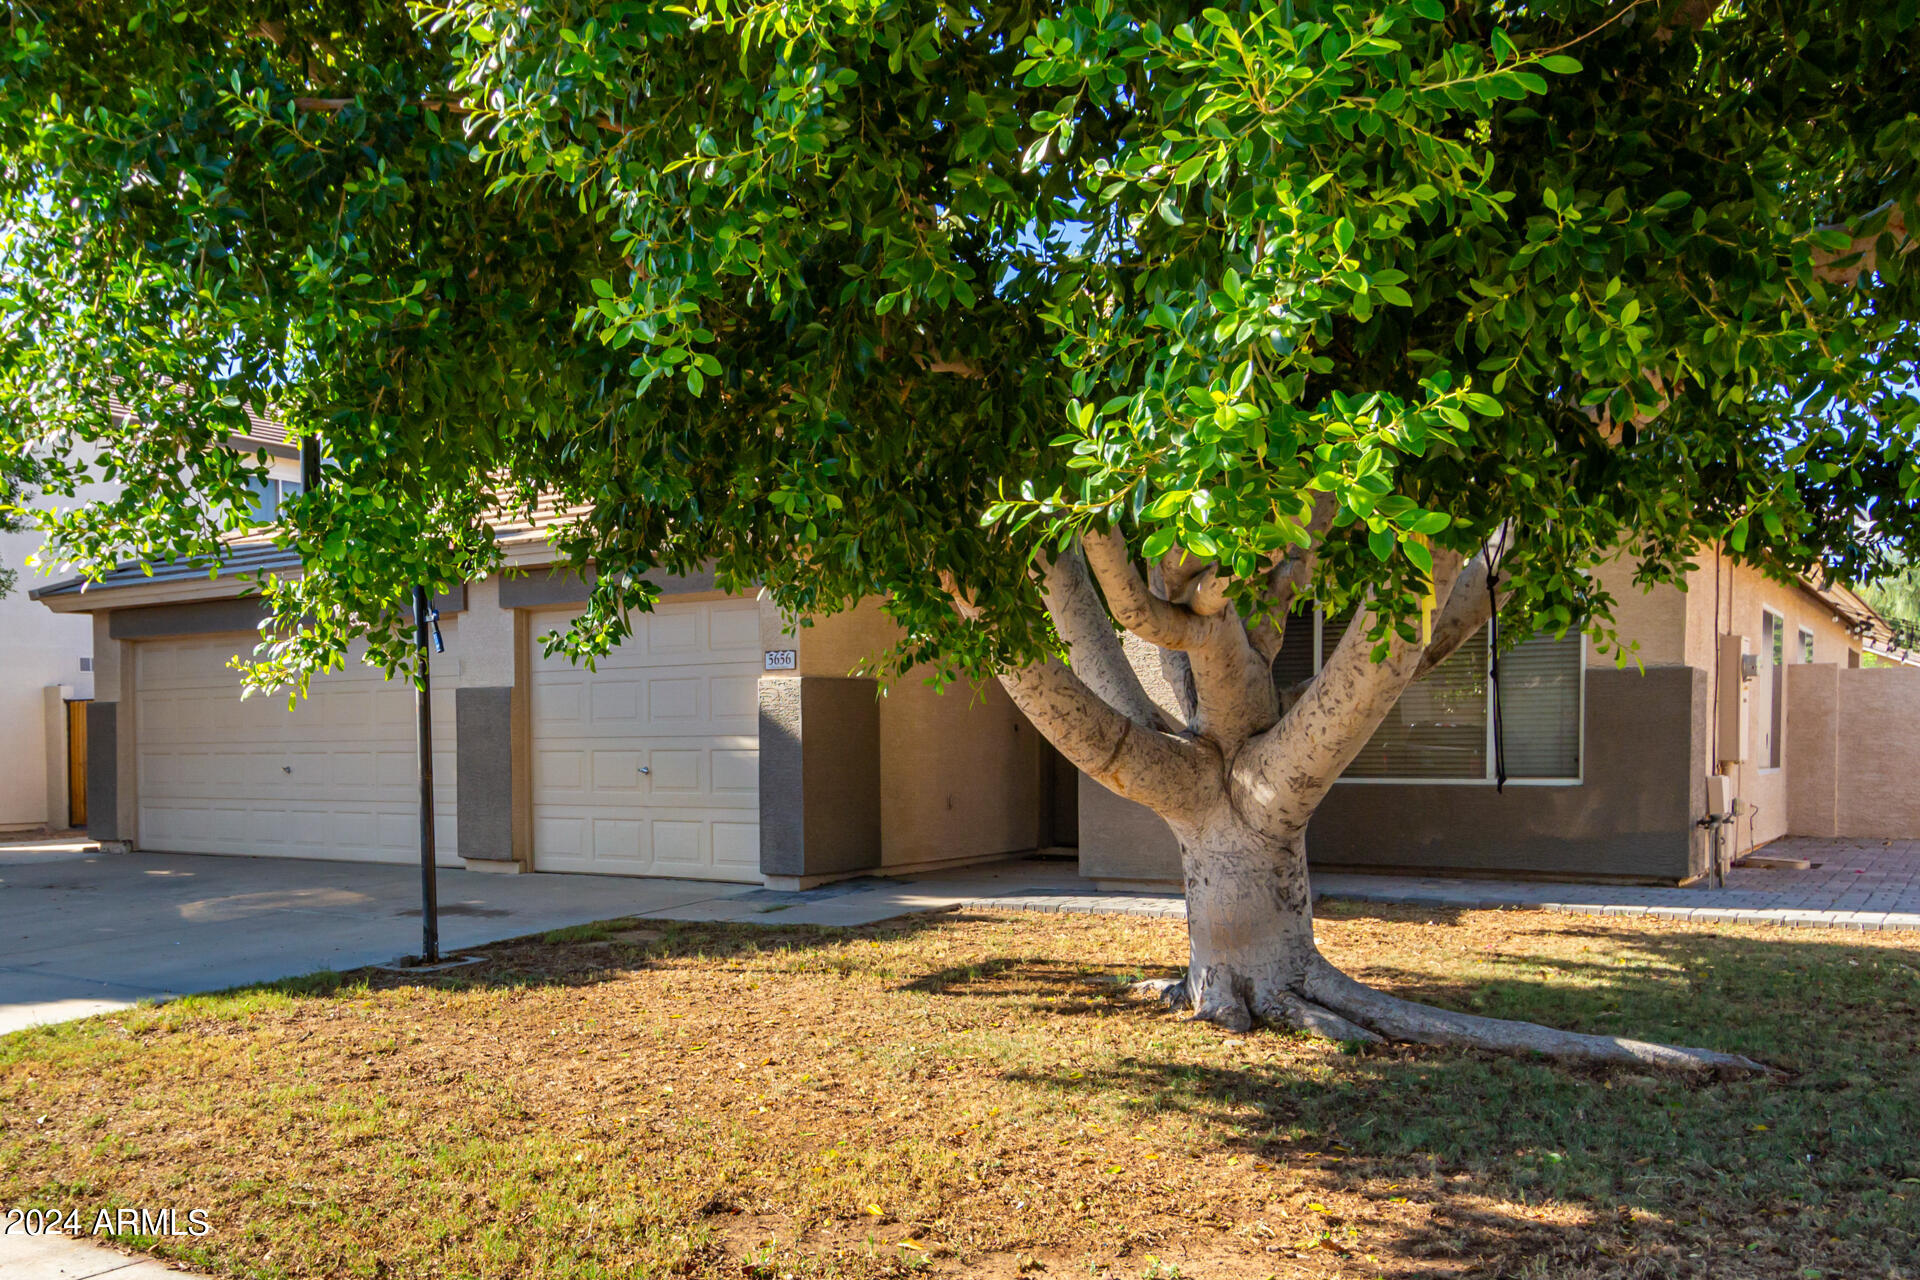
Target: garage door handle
644, 769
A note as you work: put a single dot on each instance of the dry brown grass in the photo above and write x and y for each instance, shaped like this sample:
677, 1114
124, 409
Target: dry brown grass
975, 1095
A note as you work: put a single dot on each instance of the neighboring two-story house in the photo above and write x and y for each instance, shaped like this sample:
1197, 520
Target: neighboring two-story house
46, 663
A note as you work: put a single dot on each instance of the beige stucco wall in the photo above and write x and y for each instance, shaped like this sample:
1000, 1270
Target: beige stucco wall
1728, 599
959, 774
1879, 769
1854, 762
1655, 620
39, 649
959, 768
1813, 777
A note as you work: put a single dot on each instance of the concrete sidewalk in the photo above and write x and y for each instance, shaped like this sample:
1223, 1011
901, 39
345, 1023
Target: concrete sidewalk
85, 932
57, 1257
1853, 885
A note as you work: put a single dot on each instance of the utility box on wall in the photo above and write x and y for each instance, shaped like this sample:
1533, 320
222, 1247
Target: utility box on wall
1737, 668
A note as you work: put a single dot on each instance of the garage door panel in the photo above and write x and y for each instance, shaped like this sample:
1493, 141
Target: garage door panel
558, 771
736, 698
737, 845
736, 634
678, 633
619, 839
332, 777
686, 708
563, 836
617, 704
617, 772
674, 698
560, 704
677, 773
681, 844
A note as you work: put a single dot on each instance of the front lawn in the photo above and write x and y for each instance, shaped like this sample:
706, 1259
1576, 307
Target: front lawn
976, 1095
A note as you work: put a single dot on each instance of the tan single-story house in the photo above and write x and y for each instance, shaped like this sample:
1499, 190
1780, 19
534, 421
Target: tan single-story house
717, 744
1610, 767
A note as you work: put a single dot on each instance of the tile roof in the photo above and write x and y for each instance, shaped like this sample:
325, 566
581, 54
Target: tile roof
245, 555
256, 553
261, 429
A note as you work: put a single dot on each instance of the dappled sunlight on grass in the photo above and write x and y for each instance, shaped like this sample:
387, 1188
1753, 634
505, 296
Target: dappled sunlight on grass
979, 1095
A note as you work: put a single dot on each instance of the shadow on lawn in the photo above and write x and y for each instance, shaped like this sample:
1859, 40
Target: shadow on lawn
1821, 1170
1640, 1175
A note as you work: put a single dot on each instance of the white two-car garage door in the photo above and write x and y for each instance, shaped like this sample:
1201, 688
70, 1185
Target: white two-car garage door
335, 777
650, 764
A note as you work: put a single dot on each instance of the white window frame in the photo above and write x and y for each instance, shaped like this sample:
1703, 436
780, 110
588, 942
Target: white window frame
1578, 779
1805, 637
1775, 730
282, 488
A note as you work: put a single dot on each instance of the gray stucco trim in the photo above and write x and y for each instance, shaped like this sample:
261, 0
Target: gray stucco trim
212, 617
484, 796
819, 775
1631, 817
193, 618
103, 771
542, 588
783, 782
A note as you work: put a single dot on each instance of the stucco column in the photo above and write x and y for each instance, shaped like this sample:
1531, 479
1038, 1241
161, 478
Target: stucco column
819, 758
1813, 750
113, 799
53, 719
492, 792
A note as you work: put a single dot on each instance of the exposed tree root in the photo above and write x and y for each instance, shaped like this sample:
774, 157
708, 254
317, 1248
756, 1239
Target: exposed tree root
1330, 1004
1398, 1019
1303, 1014
1172, 992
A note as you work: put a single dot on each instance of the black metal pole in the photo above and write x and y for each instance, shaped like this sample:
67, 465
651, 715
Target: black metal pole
423, 716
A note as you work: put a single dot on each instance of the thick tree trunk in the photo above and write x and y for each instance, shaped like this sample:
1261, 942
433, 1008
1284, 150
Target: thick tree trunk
1237, 776
1252, 959
1249, 918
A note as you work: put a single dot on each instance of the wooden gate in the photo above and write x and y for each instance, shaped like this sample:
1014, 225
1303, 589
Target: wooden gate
77, 763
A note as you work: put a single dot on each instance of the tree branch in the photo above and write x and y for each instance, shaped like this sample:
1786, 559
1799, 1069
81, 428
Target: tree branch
1232, 686
1137, 608
1284, 772
1290, 575
1166, 773
1094, 651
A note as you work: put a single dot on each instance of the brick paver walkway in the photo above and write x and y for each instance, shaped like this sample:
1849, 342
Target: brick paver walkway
1853, 884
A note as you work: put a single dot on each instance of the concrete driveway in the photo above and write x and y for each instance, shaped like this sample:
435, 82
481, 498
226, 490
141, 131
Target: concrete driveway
82, 931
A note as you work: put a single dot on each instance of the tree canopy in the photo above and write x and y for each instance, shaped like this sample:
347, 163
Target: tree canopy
860, 297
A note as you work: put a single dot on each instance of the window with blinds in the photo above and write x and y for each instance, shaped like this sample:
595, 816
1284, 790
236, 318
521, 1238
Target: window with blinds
1441, 729
1540, 681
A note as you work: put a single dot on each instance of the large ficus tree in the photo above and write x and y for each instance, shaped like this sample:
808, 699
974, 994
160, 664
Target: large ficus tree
1101, 340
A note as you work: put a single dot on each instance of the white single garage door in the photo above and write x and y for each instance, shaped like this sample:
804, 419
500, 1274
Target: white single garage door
650, 764
335, 777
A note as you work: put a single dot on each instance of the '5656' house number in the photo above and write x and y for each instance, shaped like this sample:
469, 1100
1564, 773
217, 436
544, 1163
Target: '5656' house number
780, 659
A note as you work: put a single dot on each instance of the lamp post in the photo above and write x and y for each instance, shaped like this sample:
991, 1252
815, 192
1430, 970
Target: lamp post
423, 618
